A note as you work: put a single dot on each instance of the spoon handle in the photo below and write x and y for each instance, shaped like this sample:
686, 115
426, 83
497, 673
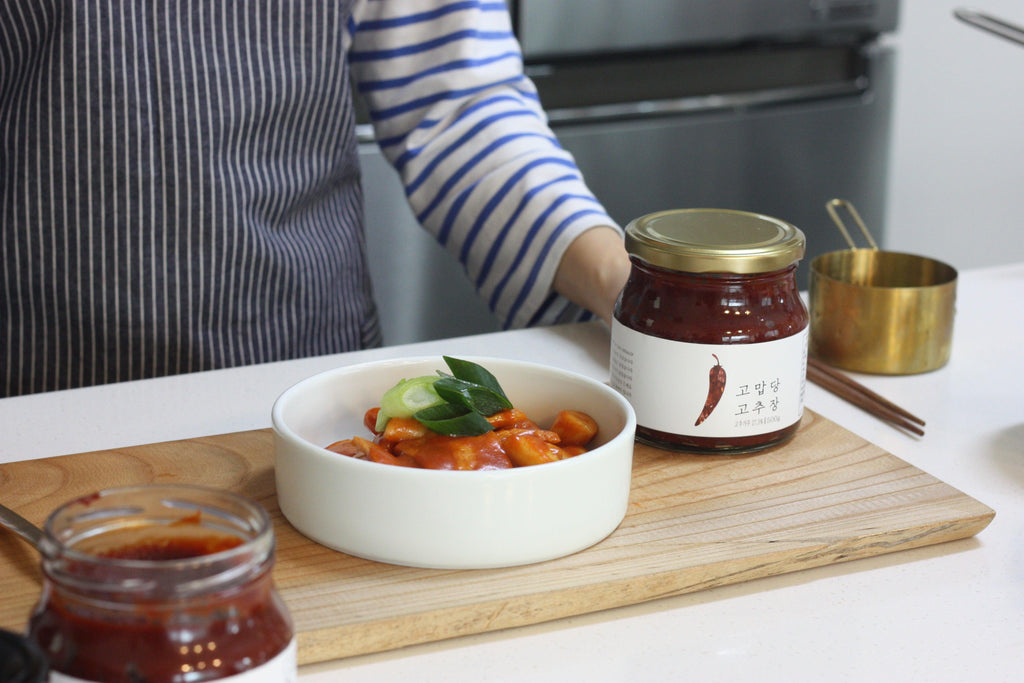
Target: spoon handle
985, 22
21, 526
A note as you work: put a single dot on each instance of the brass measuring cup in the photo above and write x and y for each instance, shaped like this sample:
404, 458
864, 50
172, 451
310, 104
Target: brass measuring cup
877, 311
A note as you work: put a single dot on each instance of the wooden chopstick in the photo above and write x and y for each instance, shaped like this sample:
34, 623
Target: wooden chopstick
862, 397
857, 386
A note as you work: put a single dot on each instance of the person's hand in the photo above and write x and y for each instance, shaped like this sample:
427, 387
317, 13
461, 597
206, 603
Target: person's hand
594, 270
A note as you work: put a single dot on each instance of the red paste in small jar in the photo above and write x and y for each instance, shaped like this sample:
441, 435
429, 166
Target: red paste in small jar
139, 588
709, 340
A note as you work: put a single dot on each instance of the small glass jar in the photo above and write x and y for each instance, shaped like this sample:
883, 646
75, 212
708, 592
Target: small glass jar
162, 584
709, 338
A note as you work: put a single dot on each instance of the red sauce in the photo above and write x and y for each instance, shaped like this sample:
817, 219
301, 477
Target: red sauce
515, 441
700, 308
173, 549
224, 637
436, 452
96, 624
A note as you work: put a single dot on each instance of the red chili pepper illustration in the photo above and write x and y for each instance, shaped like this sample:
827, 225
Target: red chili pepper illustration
716, 387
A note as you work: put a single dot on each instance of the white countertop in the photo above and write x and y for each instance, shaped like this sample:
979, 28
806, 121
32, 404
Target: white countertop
952, 612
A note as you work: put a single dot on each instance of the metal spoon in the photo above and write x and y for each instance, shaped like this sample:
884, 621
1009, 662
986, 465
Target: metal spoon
21, 526
986, 22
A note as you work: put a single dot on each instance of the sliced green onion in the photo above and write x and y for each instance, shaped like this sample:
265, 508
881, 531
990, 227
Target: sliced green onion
469, 371
473, 397
453, 420
454, 405
406, 398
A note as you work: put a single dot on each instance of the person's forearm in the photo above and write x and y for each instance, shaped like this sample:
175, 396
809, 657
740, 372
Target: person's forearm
593, 271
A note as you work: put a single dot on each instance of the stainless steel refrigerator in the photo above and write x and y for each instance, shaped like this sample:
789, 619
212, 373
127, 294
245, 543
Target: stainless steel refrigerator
772, 106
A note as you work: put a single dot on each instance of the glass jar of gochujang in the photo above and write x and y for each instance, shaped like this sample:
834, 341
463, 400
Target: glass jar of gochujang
709, 340
162, 584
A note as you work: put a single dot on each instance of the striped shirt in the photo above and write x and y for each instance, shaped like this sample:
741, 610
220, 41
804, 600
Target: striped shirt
179, 186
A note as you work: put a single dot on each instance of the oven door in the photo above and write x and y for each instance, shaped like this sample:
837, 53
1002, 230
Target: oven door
776, 131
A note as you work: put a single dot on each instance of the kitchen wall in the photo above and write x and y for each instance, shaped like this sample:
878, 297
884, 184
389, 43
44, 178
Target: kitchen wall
957, 165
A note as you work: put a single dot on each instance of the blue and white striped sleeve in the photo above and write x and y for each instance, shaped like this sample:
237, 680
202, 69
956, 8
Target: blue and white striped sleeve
461, 123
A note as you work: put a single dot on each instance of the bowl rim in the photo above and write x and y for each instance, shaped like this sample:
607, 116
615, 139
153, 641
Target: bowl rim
283, 430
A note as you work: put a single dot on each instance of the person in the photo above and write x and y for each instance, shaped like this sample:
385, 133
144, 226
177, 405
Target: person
179, 182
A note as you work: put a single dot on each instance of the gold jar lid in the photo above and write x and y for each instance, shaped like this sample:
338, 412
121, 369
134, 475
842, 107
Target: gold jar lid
714, 240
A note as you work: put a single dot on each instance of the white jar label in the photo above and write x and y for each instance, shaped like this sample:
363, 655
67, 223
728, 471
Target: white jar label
281, 669
710, 390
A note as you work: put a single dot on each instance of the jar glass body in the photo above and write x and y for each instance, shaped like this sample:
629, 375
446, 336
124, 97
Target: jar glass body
163, 584
759, 316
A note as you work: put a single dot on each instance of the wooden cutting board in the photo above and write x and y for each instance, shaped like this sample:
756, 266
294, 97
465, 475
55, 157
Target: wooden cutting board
694, 522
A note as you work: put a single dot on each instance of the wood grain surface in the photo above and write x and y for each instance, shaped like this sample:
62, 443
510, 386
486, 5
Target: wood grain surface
694, 522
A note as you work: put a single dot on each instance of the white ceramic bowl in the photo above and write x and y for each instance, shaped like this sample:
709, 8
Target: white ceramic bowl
450, 519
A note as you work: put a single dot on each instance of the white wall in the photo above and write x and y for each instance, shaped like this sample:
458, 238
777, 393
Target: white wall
956, 189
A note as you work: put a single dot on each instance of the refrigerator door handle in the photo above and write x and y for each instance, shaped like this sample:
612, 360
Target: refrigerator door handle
694, 104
